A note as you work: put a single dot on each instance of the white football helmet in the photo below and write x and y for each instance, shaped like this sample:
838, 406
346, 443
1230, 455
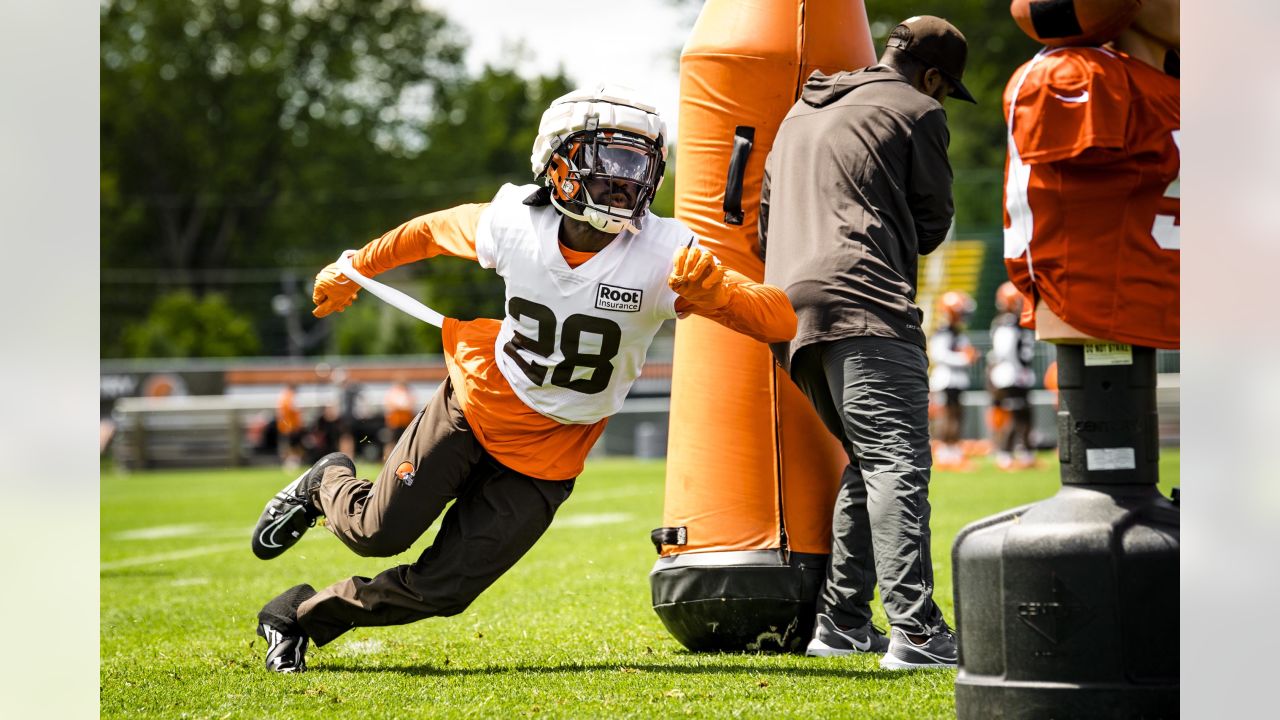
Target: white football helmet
602, 154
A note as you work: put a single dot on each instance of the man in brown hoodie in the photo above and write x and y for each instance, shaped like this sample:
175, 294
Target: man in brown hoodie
856, 188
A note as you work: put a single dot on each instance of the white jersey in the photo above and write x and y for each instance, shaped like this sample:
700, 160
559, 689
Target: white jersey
574, 339
950, 361
1012, 351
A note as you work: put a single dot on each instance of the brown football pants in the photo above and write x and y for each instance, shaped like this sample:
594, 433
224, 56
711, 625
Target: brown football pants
496, 516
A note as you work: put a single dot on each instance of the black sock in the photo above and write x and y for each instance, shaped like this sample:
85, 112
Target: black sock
282, 612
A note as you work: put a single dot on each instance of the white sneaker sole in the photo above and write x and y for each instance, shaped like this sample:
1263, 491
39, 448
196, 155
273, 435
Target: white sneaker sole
817, 648
890, 662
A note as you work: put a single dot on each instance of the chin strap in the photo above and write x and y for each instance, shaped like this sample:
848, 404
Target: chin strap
593, 217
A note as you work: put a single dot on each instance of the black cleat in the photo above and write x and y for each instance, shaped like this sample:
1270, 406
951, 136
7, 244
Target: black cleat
278, 623
291, 512
285, 653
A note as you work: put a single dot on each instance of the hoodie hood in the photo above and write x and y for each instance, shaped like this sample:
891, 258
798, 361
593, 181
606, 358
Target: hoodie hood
822, 89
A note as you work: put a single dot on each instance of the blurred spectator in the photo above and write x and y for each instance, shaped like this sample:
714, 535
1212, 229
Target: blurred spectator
163, 385
325, 433
1010, 378
951, 353
398, 411
106, 432
348, 411
1051, 380
289, 427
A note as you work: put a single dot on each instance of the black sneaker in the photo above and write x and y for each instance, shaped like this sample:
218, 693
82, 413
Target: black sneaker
938, 651
291, 512
829, 640
285, 653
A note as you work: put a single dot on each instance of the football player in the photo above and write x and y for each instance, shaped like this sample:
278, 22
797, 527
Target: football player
951, 354
1091, 183
1009, 380
590, 276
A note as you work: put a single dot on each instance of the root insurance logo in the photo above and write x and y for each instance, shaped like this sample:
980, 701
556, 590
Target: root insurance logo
620, 299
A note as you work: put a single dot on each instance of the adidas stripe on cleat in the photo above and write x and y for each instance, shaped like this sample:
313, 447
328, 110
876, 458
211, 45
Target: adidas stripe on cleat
290, 513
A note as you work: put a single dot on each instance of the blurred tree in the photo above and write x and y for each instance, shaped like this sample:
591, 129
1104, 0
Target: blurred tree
371, 327
219, 115
210, 108
241, 136
179, 325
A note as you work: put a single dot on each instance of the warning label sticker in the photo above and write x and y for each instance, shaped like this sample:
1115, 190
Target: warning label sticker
1108, 354
1109, 459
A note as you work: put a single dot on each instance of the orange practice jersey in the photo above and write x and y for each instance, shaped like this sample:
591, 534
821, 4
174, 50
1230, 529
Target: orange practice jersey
399, 407
1092, 195
288, 419
512, 432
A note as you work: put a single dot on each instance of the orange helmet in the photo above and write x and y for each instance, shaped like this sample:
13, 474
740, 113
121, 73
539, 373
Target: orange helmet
1073, 22
955, 306
1008, 299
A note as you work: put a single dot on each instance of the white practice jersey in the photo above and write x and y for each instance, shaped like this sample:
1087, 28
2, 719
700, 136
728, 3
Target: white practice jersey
574, 339
1012, 351
950, 361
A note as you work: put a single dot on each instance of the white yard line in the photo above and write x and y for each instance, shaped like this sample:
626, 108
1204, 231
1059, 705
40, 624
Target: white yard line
171, 556
160, 532
589, 520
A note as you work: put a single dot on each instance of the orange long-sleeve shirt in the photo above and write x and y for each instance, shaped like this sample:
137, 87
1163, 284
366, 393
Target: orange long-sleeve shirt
516, 435
288, 419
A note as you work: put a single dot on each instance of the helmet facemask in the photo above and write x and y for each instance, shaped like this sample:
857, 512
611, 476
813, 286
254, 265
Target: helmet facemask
606, 178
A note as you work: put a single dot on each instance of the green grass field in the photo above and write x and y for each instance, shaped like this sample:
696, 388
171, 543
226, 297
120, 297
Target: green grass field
567, 633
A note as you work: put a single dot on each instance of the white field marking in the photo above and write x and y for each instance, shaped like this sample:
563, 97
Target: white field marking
193, 552
369, 646
185, 582
590, 520
160, 532
169, 557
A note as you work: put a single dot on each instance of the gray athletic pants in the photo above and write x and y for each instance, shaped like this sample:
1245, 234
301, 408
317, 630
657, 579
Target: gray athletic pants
873, 394
497, 515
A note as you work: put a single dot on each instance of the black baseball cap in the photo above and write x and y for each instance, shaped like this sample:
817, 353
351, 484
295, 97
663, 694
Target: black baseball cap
936, 43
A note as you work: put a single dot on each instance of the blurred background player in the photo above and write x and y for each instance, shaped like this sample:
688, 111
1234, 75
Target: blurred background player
350, 411
289, 428
1010, 378
398, 410
1051, 380
952, 354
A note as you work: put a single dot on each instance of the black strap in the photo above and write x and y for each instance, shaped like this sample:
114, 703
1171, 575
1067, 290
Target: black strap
743, 138
669, 536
